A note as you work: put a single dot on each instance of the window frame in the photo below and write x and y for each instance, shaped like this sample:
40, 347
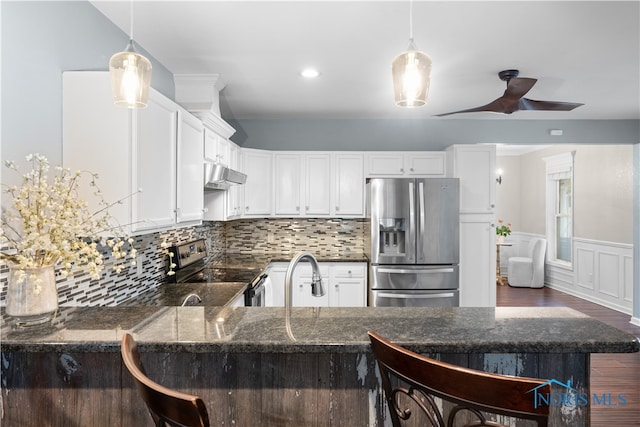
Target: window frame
557, 168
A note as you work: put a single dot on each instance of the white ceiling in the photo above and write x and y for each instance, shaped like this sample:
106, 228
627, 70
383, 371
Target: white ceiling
586, 52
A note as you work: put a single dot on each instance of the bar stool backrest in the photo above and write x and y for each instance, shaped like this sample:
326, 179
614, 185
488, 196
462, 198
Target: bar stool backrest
168, 407
468, 391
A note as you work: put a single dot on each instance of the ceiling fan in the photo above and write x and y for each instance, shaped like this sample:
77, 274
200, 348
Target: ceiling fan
513, 98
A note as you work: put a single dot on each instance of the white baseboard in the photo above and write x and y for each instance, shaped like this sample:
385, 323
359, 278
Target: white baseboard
635, 321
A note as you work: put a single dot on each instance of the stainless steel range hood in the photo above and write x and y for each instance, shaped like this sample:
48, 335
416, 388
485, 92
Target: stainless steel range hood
220, 177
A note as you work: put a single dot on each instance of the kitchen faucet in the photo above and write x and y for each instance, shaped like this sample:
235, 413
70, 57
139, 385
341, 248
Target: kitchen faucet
317, 289
189, 297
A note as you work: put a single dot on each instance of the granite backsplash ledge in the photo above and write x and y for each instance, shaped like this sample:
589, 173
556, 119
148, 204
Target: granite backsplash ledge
286, 236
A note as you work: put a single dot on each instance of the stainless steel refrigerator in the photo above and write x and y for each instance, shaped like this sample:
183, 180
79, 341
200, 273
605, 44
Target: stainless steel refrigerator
414, 242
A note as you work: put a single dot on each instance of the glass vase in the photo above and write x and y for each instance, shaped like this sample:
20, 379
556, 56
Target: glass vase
32, 296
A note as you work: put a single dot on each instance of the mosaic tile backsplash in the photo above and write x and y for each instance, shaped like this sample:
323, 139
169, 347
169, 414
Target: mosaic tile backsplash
277, 237
287, 236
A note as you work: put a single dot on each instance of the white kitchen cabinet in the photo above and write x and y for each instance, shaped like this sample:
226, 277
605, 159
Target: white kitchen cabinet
348, 285
408, 164
287, 172
345, 285
302, 184
190, 168
274, 294
301, 294
477, 261
234, 193
258, 194
134, 152
153, 144
475, 165
348, 185
317, 184
216, 148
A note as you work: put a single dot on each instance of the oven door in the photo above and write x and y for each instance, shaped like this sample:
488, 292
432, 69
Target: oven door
254, 295
412, 298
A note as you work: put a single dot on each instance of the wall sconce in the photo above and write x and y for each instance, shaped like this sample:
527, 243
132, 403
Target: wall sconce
499, 176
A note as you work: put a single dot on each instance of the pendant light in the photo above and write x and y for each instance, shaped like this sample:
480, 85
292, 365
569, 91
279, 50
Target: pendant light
411, 73
130, 75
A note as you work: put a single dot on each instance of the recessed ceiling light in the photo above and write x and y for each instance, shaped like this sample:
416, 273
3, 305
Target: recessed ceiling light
310, 73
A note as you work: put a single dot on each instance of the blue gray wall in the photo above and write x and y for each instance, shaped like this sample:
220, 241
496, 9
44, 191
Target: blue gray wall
424, 134
40, 40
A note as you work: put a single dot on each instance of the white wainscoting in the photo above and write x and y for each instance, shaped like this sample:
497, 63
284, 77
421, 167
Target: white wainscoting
602, 272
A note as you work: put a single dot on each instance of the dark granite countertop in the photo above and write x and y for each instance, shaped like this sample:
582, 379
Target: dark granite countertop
173, 294
250, 329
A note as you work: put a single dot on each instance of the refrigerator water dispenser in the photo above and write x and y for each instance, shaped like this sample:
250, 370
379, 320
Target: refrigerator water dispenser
392, 236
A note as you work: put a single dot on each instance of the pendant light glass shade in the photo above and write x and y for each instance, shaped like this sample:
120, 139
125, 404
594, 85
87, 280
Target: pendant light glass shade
411, 72
130, 78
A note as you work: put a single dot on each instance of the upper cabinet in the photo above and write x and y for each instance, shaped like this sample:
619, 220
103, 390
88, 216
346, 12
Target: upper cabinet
216, 148
302, 184
190, 168
257, 191
150, 159
417, 164
318, 184
475, 165
348, 185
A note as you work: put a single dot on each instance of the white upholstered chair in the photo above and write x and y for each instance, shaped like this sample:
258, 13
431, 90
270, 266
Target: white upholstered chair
528, 272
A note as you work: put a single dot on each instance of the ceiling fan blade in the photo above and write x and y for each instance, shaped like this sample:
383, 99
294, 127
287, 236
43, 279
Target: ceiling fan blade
500, 105
495, 106
517, 87
530, 104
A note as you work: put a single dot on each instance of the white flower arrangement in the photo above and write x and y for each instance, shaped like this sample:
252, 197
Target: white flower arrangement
49, 224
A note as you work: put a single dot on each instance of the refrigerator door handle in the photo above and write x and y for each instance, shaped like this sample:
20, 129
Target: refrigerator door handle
421, 219
415, 296
412, 219
415, 271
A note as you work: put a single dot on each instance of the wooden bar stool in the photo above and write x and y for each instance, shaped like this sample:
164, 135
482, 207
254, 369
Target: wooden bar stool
168, 407
468, 391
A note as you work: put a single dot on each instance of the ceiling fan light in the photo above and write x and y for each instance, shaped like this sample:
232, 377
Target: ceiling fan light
411, 71
130, 78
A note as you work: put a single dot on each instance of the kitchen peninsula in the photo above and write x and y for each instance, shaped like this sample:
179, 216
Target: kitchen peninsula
251, 373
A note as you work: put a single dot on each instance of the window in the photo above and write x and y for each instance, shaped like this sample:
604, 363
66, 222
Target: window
559, 208
563, 219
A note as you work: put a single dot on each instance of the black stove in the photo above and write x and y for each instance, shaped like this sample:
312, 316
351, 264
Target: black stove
191, 267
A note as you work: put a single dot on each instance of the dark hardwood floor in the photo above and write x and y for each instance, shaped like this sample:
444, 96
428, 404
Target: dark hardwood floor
610, 373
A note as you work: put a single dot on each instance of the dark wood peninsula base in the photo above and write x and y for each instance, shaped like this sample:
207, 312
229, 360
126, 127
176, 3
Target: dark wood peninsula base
250, 373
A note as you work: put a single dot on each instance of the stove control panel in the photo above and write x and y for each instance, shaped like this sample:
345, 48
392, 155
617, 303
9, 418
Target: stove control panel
188, 253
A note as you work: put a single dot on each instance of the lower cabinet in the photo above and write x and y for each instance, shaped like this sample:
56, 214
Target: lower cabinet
477, 261
345, 285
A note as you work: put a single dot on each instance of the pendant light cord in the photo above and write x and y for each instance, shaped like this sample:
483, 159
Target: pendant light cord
131, 21
411, 21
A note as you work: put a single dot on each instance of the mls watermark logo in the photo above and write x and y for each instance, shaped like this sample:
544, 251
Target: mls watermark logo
569, 396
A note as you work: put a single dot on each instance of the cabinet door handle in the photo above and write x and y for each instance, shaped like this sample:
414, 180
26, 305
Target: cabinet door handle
298, 208
337, 208
411, 169
401, 169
